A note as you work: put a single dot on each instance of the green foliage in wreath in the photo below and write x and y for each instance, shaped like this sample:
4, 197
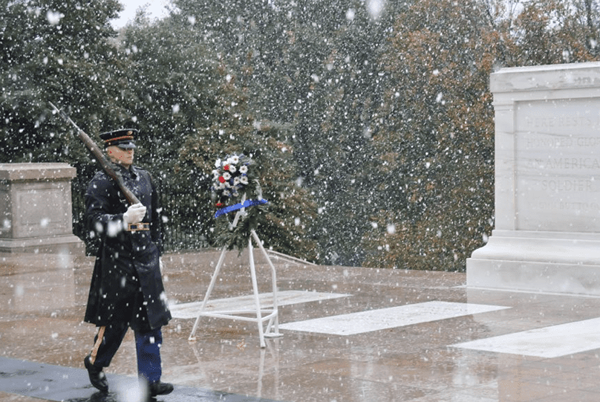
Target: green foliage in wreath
237, 237
234, 183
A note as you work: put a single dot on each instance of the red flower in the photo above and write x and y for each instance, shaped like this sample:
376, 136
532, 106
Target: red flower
226, 167
219, 205
222, 179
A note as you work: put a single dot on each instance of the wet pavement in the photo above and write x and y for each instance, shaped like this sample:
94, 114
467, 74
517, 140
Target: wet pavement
349, 334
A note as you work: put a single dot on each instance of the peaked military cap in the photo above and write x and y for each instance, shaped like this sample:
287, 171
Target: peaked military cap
123, 138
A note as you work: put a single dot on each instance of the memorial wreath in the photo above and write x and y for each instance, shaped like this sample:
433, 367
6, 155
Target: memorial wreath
235, 187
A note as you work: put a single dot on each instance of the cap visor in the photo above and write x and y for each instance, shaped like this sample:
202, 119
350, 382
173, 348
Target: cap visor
128, 145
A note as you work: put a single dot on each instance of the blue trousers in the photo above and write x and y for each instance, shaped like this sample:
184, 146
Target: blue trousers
147, 345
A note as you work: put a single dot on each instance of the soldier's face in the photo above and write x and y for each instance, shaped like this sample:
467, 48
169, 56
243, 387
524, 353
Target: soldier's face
120, 156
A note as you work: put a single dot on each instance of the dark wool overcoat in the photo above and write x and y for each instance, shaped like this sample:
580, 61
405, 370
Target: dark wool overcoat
126, 283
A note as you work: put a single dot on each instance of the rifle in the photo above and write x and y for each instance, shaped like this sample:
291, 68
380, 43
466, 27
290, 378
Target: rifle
106, 164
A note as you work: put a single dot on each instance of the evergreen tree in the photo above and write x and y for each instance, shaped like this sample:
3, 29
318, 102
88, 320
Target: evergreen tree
51, 50
335, 126
172, 80
384, 114
58, 51
284, 224
436, 143
195, 109
314, 67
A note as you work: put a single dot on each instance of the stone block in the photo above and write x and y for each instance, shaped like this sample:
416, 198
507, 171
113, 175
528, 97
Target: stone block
547, 178
36, 209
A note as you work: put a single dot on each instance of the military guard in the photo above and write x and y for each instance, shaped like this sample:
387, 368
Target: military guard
126, 288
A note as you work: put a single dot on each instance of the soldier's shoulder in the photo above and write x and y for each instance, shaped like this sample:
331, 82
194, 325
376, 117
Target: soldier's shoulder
143, 172
100, 179
140, 170
100, 175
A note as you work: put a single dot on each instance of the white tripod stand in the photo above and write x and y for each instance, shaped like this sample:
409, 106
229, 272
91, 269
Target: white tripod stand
262, 315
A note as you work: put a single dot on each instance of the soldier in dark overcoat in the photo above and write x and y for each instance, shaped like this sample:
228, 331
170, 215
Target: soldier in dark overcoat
126, 288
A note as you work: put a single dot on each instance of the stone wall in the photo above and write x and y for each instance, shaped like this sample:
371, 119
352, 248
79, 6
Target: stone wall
35, 209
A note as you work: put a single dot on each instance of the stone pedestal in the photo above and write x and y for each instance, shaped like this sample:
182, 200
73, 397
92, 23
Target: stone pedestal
547, 177
35, 209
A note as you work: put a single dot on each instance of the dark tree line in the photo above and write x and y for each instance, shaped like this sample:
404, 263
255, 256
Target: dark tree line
373, 128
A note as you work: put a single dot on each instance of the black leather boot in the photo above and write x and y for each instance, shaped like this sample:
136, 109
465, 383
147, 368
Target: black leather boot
97, 376
160, 388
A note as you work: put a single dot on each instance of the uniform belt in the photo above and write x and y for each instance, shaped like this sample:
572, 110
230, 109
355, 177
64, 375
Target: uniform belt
135, 227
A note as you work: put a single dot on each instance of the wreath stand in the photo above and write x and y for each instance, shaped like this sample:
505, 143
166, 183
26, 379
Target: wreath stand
262, 315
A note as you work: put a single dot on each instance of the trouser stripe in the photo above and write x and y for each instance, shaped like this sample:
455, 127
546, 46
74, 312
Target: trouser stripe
97, 344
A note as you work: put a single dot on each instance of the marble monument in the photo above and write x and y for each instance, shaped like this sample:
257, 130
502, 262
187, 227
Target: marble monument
35, 209
547, 182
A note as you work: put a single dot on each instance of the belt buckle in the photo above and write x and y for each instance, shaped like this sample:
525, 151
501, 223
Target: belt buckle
136, 227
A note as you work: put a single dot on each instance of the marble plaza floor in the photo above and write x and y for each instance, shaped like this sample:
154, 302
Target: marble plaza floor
349, 334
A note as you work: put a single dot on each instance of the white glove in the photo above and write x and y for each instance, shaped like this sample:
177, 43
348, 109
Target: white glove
135, 213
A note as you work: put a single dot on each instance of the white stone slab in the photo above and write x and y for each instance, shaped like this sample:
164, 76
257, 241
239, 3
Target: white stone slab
286, 297
549, 342
35, 209
393, 317
547, 214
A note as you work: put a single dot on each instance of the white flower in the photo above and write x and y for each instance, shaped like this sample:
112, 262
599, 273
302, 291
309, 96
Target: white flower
233, 172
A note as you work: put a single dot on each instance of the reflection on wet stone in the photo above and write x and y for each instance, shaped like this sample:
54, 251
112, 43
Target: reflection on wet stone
415, 362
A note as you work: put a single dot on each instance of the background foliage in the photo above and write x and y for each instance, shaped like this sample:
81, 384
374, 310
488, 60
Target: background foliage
372, 119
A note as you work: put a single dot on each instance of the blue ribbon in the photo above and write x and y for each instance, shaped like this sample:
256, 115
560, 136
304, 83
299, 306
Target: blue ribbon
235, 207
